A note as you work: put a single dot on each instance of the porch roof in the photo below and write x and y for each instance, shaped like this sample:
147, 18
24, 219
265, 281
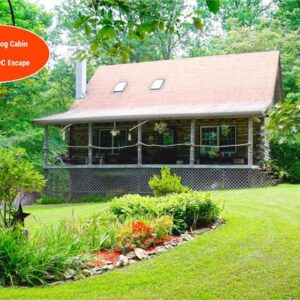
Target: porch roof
224, 85
156, 112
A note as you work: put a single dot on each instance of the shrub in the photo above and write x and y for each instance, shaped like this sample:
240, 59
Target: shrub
189, 210
143, 234
162, 226
294, 172
166, 183
99, 231
50, 200
87, 199
16, 175
42, 258
286, 158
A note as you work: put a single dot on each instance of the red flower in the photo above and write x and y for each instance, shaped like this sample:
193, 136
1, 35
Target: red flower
140, 227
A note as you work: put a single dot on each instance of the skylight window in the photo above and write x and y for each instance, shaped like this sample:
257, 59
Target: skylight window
157, 84
120, 87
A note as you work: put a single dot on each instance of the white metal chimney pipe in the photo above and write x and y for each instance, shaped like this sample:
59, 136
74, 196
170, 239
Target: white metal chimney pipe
80, 79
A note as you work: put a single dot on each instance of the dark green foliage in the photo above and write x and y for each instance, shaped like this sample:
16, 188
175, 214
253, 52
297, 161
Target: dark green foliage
44, 257
16, 175
189, 210
88, 199
287, 157
166, 183
294, 172
50, 200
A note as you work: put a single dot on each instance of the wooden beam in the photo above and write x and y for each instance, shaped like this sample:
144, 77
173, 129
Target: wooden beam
250, 141
192, 141
90, 143
139, 148
46, 145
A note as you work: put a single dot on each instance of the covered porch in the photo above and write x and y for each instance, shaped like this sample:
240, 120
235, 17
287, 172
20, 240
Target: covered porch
231, 142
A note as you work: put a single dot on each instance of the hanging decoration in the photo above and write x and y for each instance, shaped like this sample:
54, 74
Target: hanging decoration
114, 131
160, 127
225, 130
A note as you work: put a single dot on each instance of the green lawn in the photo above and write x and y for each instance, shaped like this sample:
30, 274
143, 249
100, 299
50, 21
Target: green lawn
256, 255
49, 214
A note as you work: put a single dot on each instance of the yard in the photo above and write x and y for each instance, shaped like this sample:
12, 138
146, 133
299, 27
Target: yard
254, 256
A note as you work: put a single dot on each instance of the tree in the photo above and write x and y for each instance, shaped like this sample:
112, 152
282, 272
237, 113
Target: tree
16, 175
264, 37
49, 91
109, 23
284, 122
27, 15
288, 14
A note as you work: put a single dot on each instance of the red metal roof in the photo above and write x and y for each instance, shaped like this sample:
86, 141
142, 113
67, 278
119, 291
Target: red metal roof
214, 85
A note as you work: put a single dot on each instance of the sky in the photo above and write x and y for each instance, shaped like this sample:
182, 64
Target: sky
48, 4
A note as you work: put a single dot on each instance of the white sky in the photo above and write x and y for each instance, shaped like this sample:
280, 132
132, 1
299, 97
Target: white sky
48, 4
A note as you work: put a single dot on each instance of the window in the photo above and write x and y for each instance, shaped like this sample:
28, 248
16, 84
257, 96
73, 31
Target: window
157, 84
108, 140
216, 136
120, 87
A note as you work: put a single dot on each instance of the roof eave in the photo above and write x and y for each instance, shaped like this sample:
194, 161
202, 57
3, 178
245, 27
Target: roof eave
147, 117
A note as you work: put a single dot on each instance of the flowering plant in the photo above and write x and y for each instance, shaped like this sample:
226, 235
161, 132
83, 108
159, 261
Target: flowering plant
136, 234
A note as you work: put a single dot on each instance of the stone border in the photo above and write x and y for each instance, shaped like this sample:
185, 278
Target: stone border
137, 255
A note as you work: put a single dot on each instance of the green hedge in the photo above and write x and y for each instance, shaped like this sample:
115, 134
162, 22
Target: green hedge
88, 199
189, 210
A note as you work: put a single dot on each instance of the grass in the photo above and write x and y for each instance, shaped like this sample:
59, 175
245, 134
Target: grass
52, 213
256, 255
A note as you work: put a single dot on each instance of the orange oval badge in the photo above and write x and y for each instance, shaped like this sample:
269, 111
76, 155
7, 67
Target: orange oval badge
22, 53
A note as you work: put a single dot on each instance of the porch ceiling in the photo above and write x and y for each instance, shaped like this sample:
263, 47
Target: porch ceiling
76, 116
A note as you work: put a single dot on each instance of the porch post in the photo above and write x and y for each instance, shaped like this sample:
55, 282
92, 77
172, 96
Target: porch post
90, 143
192, 141
139, 148
250, 141
46, 144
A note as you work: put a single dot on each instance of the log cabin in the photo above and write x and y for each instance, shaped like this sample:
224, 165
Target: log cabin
203, 117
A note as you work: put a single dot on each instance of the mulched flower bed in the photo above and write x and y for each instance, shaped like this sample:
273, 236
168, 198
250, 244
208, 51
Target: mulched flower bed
107, 260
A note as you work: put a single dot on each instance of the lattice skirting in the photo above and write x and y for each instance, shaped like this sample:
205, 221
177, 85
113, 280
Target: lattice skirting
72, 183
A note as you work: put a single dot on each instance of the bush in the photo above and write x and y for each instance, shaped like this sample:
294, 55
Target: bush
87, 199
16, 175
166, 183
99, 231
143, 234
162, 226
294, 172
189, 210
49, 200
41, 259
286, 158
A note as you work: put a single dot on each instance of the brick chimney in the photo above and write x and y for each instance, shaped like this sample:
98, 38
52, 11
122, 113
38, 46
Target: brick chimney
80, 79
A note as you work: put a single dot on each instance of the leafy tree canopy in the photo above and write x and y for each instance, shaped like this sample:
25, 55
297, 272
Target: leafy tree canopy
108, 23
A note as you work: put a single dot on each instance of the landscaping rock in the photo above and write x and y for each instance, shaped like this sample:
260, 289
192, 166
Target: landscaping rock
152, 252
56, 283
107, 267
132, 261
123, 261
168, 246
97, 270
69, 274
131, 255
186, 237
140, 253
79, 276
160, 249
87, 272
